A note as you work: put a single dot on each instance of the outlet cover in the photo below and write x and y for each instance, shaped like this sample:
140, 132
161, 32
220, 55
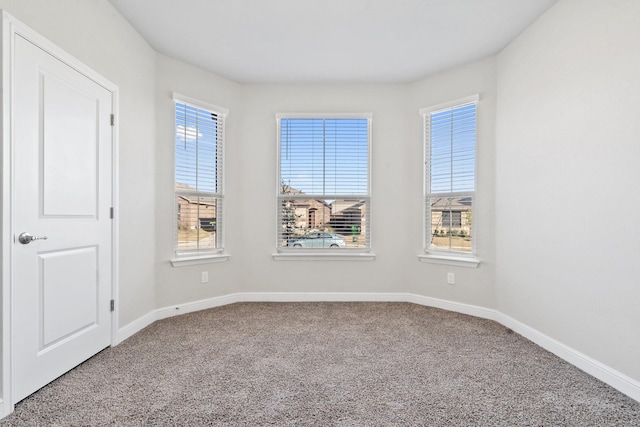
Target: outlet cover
205, 277
451, 278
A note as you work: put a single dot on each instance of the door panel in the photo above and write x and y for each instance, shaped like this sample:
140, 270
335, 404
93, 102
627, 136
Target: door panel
70, 128
62, 317
62, 190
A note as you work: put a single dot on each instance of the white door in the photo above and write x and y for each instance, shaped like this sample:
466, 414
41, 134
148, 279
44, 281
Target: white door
62, 191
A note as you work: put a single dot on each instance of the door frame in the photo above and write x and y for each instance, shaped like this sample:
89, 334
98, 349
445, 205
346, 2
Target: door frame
9, 28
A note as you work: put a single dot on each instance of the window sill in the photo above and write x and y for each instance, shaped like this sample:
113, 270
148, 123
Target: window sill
323, 257
199, 259
460, 261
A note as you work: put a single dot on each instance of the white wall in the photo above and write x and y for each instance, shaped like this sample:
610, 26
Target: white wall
396, 213
473, 286
568, 145
181, 285
390, 208
97, 35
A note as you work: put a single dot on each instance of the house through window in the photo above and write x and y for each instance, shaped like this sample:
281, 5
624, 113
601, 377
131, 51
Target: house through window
452, 219
450, 162
199, 137
323, 191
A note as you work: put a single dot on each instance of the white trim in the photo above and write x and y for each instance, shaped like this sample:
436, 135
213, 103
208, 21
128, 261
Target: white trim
617, 380
10, 28
190, 307
136, 326
6, 216
471, 99
321, 297
193, 102
288, 256
324, 116
17, 27
139, 324
186, 261
458, 307
460, 261
604, 373
115, 222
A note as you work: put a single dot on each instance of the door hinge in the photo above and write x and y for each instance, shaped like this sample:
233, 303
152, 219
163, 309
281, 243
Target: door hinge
113, 305
113, 120
111, 213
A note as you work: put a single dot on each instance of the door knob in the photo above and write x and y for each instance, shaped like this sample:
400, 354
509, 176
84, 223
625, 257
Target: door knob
26, 238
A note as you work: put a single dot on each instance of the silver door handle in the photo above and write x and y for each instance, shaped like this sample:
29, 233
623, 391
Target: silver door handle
26, 238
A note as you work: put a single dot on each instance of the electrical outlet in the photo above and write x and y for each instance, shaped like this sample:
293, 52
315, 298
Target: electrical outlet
205, 277
451, 278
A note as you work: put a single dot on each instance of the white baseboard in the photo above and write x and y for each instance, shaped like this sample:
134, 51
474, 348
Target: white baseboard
458, 307
604, 373
190, 307
163, 313
321, 296
135, 326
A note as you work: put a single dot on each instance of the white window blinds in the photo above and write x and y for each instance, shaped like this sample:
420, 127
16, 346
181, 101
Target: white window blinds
323, 182
199, 137
450, 171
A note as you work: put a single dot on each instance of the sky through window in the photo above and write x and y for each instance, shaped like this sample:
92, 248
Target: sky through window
325, 156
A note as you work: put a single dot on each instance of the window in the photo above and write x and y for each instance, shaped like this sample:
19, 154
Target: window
199, 194
450, 171
323, 183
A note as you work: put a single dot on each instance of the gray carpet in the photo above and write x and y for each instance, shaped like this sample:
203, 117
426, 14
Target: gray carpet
326, 364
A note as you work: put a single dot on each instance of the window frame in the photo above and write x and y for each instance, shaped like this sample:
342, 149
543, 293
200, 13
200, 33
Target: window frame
187, 257
285, 253
435, 255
